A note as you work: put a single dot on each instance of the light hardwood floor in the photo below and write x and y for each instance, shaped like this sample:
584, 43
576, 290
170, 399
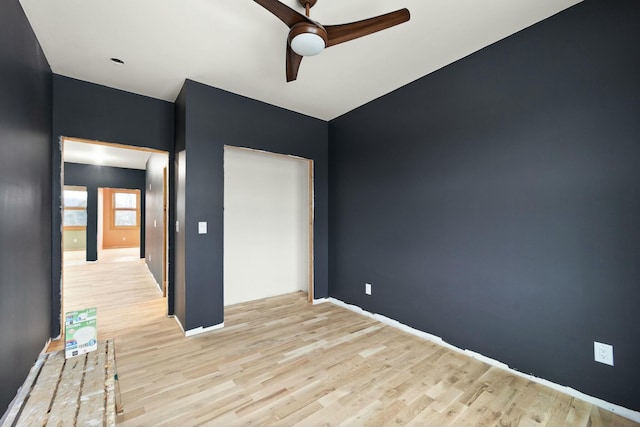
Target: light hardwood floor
283, 362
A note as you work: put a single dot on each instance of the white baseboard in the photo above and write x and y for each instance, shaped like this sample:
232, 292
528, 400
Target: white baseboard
320, 301
198, 330
152, 276
620, 410
201, 330
179, 324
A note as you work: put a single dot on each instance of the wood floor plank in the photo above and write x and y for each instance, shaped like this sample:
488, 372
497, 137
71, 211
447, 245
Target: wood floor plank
412, 410
282, 362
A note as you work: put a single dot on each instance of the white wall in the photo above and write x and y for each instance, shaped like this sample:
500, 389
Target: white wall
266, 225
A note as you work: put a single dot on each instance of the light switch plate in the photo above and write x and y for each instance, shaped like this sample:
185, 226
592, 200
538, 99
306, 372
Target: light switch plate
202, 227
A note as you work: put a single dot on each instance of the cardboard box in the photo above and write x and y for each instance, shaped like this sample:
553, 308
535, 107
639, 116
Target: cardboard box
80, 332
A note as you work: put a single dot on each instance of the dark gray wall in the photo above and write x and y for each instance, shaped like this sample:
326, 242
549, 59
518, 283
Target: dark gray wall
179, 180
94, 177
496, 202
154, 214
180, 258
215, 118
25, 199
94, 112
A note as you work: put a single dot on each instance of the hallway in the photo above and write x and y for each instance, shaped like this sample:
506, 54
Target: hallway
120, 286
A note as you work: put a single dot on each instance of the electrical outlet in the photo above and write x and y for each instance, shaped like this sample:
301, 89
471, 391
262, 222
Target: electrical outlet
367, 288
603, 353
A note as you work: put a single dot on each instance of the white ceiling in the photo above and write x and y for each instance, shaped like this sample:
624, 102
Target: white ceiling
104, 155
238, 46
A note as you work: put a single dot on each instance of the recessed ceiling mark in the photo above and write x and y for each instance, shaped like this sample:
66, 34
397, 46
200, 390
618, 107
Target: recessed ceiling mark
117, 61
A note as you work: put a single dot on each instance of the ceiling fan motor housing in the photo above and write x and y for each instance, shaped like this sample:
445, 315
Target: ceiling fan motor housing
308, 39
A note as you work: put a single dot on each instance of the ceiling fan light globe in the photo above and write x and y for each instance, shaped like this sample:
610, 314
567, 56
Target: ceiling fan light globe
307, 44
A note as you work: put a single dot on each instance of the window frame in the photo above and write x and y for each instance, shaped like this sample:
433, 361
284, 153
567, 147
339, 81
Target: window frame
115, 209
74, 208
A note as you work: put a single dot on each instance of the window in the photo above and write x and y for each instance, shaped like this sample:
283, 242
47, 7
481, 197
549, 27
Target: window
125, 208
74, 203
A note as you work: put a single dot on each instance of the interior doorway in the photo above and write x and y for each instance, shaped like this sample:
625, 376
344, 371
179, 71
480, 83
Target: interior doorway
136, 216
268, 225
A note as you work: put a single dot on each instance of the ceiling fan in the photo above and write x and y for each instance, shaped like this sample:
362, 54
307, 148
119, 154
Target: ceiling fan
308, 37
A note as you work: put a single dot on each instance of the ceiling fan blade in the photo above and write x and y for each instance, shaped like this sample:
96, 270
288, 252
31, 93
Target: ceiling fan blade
293, 64
283, 12
345, 32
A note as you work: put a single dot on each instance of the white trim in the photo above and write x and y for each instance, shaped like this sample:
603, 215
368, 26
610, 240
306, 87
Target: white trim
152, 276
154, 280
291, 156
620, 410
179, 324
201, 330
319, 300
